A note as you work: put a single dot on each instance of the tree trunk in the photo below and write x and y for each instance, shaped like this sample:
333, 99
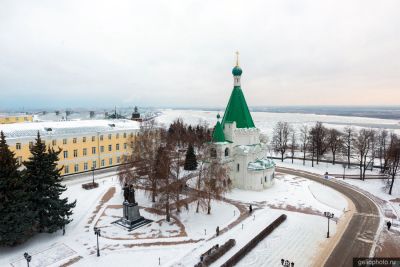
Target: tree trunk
304, 156
197, 206
168, 217
282, 156
391, 184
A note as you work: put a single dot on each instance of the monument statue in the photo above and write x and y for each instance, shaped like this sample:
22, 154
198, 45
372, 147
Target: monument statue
131, 215
131, 195
126, 192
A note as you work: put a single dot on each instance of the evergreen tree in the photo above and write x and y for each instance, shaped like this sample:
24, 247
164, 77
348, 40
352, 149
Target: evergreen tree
45, 188
15, 215
190, 159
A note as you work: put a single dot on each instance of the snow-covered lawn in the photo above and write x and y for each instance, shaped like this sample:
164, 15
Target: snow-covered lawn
181, 243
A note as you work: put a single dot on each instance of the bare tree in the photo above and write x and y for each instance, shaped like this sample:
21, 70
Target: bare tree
382, 142
318, 141
162, 169
280, 137
304, 140
364, 145
215, 183
138, 165
348, 139
393, 163
335, 142
292, 143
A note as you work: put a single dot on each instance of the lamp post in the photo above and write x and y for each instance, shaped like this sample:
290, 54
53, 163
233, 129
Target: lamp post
287, 263
93, 174
344, 170
329, 216
97, 233
28, 258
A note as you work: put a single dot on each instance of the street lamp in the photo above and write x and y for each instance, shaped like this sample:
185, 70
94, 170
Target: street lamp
28, 258
97, 233
344, 170
287, 263
329, 216
93, 174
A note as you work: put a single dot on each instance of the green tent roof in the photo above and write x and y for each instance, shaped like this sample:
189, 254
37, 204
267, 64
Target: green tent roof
237, 110
218, 133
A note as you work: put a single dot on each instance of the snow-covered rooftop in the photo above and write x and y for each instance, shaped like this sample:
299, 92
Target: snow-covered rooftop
261, 164
56, 128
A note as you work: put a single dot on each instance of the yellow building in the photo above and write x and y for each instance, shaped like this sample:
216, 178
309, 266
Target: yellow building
5, 119
85, 144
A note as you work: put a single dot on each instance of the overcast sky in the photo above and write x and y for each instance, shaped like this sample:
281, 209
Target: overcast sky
180, 53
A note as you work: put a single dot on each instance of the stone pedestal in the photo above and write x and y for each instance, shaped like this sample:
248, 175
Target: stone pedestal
131, 211
131, 216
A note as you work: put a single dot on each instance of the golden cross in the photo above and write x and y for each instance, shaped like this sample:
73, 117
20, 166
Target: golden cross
237, 58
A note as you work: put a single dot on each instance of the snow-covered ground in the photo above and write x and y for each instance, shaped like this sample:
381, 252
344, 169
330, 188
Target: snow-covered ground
181, 244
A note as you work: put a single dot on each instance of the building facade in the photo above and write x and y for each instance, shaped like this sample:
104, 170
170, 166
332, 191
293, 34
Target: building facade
6, 119
85, 144
236, 142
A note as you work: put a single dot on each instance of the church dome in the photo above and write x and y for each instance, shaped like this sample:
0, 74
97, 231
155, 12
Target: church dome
237, 71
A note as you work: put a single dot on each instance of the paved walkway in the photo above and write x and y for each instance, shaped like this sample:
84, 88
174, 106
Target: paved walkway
359, 237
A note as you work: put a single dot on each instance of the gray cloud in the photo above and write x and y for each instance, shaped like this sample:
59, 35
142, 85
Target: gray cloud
180, 53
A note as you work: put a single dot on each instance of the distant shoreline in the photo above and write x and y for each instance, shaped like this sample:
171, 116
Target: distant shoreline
377, 112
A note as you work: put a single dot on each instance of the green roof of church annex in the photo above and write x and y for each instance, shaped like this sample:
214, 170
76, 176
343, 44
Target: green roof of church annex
237, 109
218, 133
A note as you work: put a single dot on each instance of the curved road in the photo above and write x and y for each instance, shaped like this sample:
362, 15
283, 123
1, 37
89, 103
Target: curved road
358, 238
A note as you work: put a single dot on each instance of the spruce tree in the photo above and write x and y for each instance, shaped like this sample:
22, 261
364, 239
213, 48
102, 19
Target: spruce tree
45, 188
190, 159
16, 217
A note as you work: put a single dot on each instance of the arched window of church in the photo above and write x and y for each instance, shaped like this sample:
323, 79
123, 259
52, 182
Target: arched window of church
238, 167
213, 153
226, 152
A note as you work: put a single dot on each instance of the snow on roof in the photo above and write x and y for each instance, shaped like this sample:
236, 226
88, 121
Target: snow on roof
261, 164
56, 128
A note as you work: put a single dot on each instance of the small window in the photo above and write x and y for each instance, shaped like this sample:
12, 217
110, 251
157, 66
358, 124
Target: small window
64, 141
76, 168
85, 151
84, 139
109, 147
226, 152
75, 153
213, 153
19, 160
93, 138
54, 142
131, 135
125, 145
102, 163
18, 146
117, 136
265, 178
85, 166
118, 159
66, 169
101, 149
94, 150
109, 136
110, 161
74, 140
124, 135
94, 164
65, 154
101, 137
238, 167
117, 147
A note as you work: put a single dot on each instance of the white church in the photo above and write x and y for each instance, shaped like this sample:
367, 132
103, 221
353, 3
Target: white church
236, 142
